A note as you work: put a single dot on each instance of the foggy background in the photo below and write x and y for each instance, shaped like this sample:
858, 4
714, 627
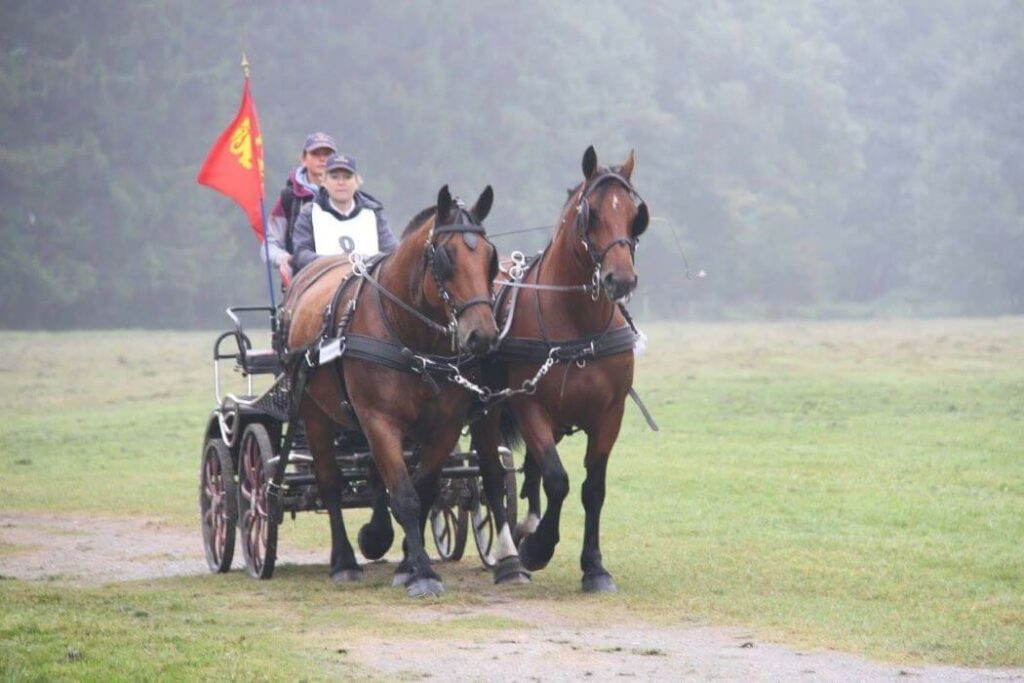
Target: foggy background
817, 159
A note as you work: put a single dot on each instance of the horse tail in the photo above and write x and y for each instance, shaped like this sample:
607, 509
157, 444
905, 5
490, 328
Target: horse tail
511, 436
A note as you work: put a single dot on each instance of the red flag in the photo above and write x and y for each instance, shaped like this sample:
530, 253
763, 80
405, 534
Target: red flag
234, 166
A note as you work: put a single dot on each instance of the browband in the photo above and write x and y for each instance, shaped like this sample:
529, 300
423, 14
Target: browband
455, 227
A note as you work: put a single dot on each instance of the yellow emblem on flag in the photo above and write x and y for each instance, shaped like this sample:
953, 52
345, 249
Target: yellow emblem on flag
241, 147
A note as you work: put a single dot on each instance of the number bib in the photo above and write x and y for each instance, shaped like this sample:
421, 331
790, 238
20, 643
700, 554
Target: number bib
357, 233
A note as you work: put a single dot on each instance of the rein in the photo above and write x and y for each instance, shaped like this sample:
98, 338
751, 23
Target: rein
359, 270
430, 251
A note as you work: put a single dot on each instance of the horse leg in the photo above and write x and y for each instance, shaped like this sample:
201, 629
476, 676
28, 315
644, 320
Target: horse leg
427, 485
376, 536
386, 443
509, 568
531, 492
536, 550
320, 434
596, 578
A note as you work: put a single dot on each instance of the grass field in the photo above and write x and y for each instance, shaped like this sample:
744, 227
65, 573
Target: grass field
858, 486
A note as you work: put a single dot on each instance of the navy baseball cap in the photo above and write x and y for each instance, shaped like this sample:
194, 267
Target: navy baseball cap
319, 140
336, 161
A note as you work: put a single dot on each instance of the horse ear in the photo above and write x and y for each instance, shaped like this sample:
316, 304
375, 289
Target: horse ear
589, 162
483, 205
444, 203
627, 166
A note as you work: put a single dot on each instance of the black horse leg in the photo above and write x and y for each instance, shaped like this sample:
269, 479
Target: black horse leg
427, 487
531, 492
320, 432
596, 578
509, 568
376, 536
386, 443
536, 550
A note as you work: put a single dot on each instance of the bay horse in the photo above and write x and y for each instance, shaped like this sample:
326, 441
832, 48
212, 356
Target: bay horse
431, 294
566, 361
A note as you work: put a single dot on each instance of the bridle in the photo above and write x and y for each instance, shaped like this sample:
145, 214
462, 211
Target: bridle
582, 229
440, 266
582, 225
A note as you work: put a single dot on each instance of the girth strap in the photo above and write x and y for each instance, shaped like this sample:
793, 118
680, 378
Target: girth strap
401, 358
521, 350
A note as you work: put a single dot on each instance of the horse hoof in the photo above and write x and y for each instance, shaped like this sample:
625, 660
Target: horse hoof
510, 571
425, 587
373, 546
347, 576
599, 583
528, 559
400, 579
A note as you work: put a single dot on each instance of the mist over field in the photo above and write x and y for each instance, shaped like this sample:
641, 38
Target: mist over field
815, 159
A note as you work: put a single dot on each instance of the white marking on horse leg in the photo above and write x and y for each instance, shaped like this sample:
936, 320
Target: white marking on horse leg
506, 548
531, 523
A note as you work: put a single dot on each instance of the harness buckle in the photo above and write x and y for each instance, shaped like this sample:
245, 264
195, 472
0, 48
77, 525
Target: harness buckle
358, 264
517, 270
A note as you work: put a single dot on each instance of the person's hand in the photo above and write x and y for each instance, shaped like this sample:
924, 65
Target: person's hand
284, 267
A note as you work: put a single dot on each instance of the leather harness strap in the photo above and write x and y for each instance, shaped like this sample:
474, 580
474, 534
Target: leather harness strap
592, 347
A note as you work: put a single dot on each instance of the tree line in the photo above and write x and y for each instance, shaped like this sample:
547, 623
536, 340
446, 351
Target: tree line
821, 158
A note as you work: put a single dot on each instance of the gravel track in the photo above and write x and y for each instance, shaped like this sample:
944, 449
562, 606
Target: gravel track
95, 551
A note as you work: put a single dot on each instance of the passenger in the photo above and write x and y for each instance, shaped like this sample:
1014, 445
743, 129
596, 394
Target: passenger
342, 219
299, 190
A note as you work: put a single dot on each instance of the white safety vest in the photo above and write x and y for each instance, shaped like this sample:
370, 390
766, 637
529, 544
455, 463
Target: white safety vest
358, 233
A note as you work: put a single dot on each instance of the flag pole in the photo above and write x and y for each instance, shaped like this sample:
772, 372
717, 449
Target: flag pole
263, 219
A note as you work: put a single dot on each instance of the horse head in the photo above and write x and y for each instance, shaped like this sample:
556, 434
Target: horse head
461, 263
610, 217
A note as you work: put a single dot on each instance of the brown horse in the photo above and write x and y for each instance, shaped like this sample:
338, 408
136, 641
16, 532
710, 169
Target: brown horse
419, 302
566, 357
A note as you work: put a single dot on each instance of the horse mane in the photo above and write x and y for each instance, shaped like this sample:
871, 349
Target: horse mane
418, 220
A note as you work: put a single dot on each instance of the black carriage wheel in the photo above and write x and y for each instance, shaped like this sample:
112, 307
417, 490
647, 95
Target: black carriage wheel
485, 535
217, 505
258, 529
449, 528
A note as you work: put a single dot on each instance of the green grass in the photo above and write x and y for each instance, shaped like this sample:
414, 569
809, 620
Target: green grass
223, 627
858, 486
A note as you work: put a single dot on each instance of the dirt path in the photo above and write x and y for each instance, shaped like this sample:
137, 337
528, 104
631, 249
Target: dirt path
80, 551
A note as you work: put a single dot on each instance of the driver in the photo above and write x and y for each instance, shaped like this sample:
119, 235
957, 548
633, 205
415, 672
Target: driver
341, 219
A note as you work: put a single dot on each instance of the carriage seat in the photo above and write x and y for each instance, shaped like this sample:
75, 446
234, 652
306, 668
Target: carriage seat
261, 362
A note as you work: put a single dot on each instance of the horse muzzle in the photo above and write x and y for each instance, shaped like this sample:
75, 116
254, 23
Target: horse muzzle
619, 285
478, 334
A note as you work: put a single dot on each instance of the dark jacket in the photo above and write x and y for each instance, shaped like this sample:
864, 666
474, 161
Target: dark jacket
281, 222
302, 236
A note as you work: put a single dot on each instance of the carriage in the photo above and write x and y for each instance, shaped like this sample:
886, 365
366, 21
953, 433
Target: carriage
438, 293
244, 441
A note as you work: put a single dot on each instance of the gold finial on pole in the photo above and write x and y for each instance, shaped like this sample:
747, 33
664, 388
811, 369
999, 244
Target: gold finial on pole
245, 66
